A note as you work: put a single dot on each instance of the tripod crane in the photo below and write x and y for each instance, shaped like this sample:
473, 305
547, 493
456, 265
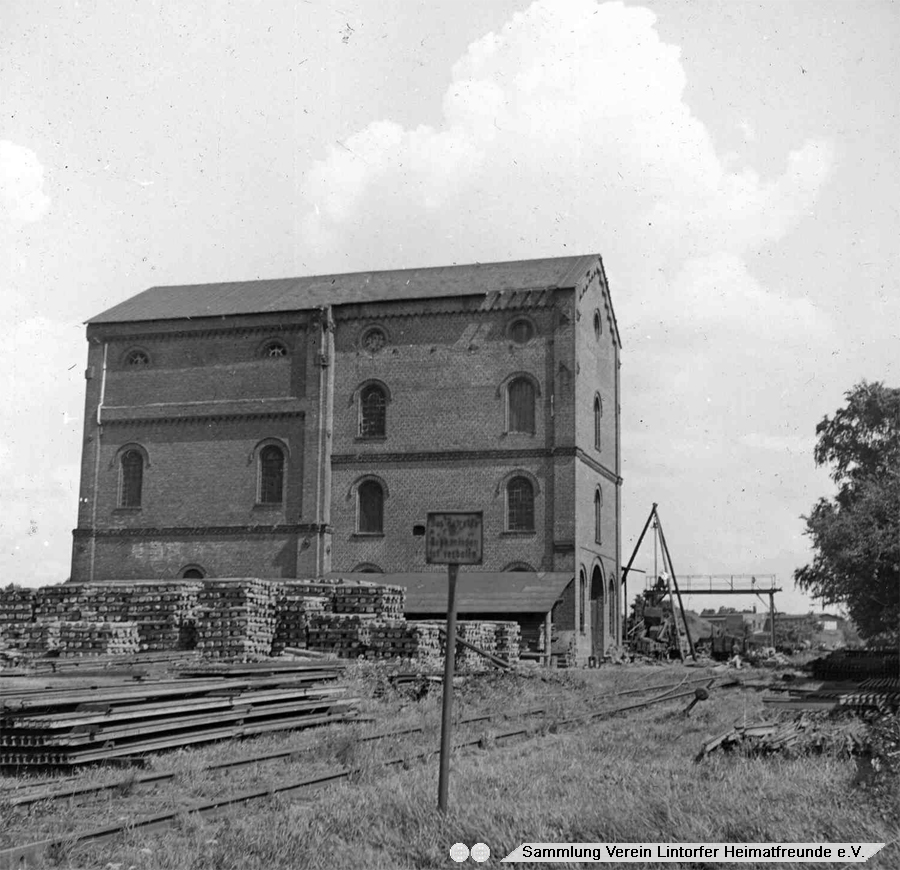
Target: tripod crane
682, 629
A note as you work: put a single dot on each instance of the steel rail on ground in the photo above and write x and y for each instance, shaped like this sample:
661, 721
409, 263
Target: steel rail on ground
43, 793
19, 857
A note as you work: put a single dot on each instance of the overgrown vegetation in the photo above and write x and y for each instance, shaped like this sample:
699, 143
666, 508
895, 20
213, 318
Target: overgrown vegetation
625, 779
856, 535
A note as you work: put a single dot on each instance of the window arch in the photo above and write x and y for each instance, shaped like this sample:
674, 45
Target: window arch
372, 411
192, 572
131, 478
520, 505
520, 396
598, 516
367, 568
274, 348
520, 567
370, 508
137, 357
271, 475
582, 601
598, 419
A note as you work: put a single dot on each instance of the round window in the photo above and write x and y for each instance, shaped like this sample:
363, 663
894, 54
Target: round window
275, 349
137, 358
521, 331
374, 340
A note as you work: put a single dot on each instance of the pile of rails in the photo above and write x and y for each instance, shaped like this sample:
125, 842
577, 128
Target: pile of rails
880, 693
71, 726
857, 664
240, 618
98, 638
235, 618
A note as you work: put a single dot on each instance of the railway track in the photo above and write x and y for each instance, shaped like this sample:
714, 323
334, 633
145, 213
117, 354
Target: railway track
49, 793
29, 855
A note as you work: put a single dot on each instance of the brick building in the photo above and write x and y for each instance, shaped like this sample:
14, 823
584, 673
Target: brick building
293, 427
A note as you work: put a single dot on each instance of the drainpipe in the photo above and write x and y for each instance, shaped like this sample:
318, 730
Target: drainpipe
97, 463
324, 426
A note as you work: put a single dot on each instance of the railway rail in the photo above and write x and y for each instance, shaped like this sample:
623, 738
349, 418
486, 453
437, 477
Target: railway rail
28, 855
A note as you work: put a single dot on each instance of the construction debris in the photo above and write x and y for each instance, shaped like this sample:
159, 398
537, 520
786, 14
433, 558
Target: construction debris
804, 735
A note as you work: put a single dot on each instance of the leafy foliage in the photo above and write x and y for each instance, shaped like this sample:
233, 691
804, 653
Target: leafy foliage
856, 535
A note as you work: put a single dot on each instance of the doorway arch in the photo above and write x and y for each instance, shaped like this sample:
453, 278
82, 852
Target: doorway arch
598, 627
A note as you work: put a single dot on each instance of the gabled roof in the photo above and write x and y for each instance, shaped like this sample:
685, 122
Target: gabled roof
476, 592
298, 294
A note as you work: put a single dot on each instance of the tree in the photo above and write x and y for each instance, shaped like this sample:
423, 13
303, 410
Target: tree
856, 535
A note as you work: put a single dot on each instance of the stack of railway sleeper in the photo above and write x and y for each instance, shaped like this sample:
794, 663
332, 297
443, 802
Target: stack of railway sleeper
71, 726
98, 638
236, 618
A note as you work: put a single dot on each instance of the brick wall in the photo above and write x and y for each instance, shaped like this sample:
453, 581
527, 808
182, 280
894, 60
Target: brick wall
188, 411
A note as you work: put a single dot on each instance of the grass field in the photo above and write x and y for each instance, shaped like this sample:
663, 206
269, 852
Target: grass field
630, 778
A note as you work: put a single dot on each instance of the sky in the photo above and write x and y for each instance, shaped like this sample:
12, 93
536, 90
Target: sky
735, 165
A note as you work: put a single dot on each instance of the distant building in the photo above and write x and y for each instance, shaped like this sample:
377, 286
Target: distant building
295, 427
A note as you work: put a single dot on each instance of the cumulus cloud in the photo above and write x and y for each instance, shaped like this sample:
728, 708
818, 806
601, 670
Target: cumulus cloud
567, 132
22, 196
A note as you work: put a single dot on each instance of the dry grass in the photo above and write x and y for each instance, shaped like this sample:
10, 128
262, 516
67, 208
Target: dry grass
630, 778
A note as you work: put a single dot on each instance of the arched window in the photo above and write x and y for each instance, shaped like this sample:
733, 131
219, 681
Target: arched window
598, 516
613, 615
520, 406
598, 418
192, 572
274, 349
370, 519
131, 478
367, 568
582, 600
372, 412
137, 358
271, 475
520, 505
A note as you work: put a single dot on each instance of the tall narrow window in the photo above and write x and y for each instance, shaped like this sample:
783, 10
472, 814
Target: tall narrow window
598, 517
520, 399
271, 475
582, 601
598, 417
520, 505
371, 508
132, 479
372, 412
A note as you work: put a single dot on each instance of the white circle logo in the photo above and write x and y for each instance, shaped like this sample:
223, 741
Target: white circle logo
459, 852
480, 852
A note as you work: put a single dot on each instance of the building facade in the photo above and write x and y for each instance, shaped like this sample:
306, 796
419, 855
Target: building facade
290, 428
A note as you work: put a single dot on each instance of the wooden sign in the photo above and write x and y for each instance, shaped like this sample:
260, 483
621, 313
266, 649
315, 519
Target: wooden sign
454, 538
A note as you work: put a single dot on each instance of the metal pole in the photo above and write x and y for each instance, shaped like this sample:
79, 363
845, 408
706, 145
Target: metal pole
772, 616
446, 711
627, 568
668, 558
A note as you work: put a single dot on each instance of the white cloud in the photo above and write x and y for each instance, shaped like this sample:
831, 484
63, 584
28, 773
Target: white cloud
566, 131
22, 197
42, 383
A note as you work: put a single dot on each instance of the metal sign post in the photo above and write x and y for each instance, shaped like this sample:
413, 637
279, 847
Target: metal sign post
452, 538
